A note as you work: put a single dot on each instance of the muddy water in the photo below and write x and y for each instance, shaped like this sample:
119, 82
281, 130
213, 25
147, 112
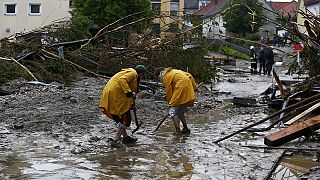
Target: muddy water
291, 167
162, 155
66, 137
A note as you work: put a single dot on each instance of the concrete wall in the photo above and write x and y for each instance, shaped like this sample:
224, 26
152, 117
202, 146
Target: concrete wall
22, 21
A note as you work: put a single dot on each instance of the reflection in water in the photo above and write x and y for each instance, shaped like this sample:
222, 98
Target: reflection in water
151, 160
158, 156
290, 167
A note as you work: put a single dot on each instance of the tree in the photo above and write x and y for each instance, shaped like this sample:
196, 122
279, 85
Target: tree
105, 12
239, 17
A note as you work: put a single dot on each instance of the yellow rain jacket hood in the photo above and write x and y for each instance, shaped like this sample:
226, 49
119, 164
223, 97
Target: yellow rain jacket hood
113, 99
180, 87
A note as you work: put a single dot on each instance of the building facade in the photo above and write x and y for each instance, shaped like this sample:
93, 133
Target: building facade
170, 15
19, 16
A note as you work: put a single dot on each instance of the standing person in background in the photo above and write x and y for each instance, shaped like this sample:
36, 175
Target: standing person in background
118, 98
269, 56
253, 59
262, 61
180, 92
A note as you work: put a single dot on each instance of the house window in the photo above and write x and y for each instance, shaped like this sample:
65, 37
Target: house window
34, 9
156, 7
174, 9
71, 3
173, 27
10, 9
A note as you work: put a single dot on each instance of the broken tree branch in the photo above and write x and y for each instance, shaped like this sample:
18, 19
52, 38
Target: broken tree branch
25, 68
58, 57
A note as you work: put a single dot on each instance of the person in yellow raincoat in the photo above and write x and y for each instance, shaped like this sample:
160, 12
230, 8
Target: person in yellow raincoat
180, 92
117, 99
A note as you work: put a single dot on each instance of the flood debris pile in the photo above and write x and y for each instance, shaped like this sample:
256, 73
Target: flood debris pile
44, 55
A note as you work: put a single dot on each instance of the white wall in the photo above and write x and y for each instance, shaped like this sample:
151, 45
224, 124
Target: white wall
213, 27
51, 10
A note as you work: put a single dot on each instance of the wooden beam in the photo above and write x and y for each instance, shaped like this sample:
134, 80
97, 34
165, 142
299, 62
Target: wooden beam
314, 107
276, 77
292, 132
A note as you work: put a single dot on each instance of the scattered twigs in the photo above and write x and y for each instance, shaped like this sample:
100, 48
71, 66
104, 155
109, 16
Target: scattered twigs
271, 116
57, 57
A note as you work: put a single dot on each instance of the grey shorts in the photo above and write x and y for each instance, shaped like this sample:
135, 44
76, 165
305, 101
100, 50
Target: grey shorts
178, 110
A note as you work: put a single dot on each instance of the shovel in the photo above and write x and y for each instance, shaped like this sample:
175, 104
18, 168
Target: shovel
160, 123
136, 120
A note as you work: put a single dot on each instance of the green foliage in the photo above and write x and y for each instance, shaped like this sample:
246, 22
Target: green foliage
232, 52
228, 51
51, 70
10, 70
191, 60
310, 58
238, 19
77, 28
106, 12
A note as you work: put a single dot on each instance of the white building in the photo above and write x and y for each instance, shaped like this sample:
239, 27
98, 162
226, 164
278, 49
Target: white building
18, 16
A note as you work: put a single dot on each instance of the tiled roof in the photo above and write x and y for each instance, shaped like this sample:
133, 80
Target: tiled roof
212, 8
284, 7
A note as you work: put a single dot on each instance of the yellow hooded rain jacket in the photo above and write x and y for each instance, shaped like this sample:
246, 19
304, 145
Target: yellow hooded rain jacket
113, 99
180, 87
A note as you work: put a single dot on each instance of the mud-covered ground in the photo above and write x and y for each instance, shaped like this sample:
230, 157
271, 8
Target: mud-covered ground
57, 132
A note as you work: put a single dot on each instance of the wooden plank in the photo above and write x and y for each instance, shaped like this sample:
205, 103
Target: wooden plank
292, 132
299, 116
276, 77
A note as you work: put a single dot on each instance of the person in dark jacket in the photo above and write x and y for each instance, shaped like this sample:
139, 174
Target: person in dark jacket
262, 61
269, 56
253, 59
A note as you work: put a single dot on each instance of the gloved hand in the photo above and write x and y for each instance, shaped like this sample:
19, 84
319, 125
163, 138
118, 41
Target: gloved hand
131, 95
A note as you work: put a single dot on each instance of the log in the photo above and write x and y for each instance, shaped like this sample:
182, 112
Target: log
293, 132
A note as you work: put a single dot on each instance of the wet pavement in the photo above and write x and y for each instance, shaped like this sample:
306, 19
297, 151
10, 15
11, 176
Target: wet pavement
59, 133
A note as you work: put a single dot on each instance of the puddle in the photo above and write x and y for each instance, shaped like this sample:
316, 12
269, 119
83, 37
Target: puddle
159, 156
291, 167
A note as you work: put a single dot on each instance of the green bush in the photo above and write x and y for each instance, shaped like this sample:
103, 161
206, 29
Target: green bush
234, 53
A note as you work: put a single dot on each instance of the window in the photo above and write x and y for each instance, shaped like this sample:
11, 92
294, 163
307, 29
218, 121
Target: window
156, 7
10, 9
34, 9
174, 9
173, 27
71, 3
